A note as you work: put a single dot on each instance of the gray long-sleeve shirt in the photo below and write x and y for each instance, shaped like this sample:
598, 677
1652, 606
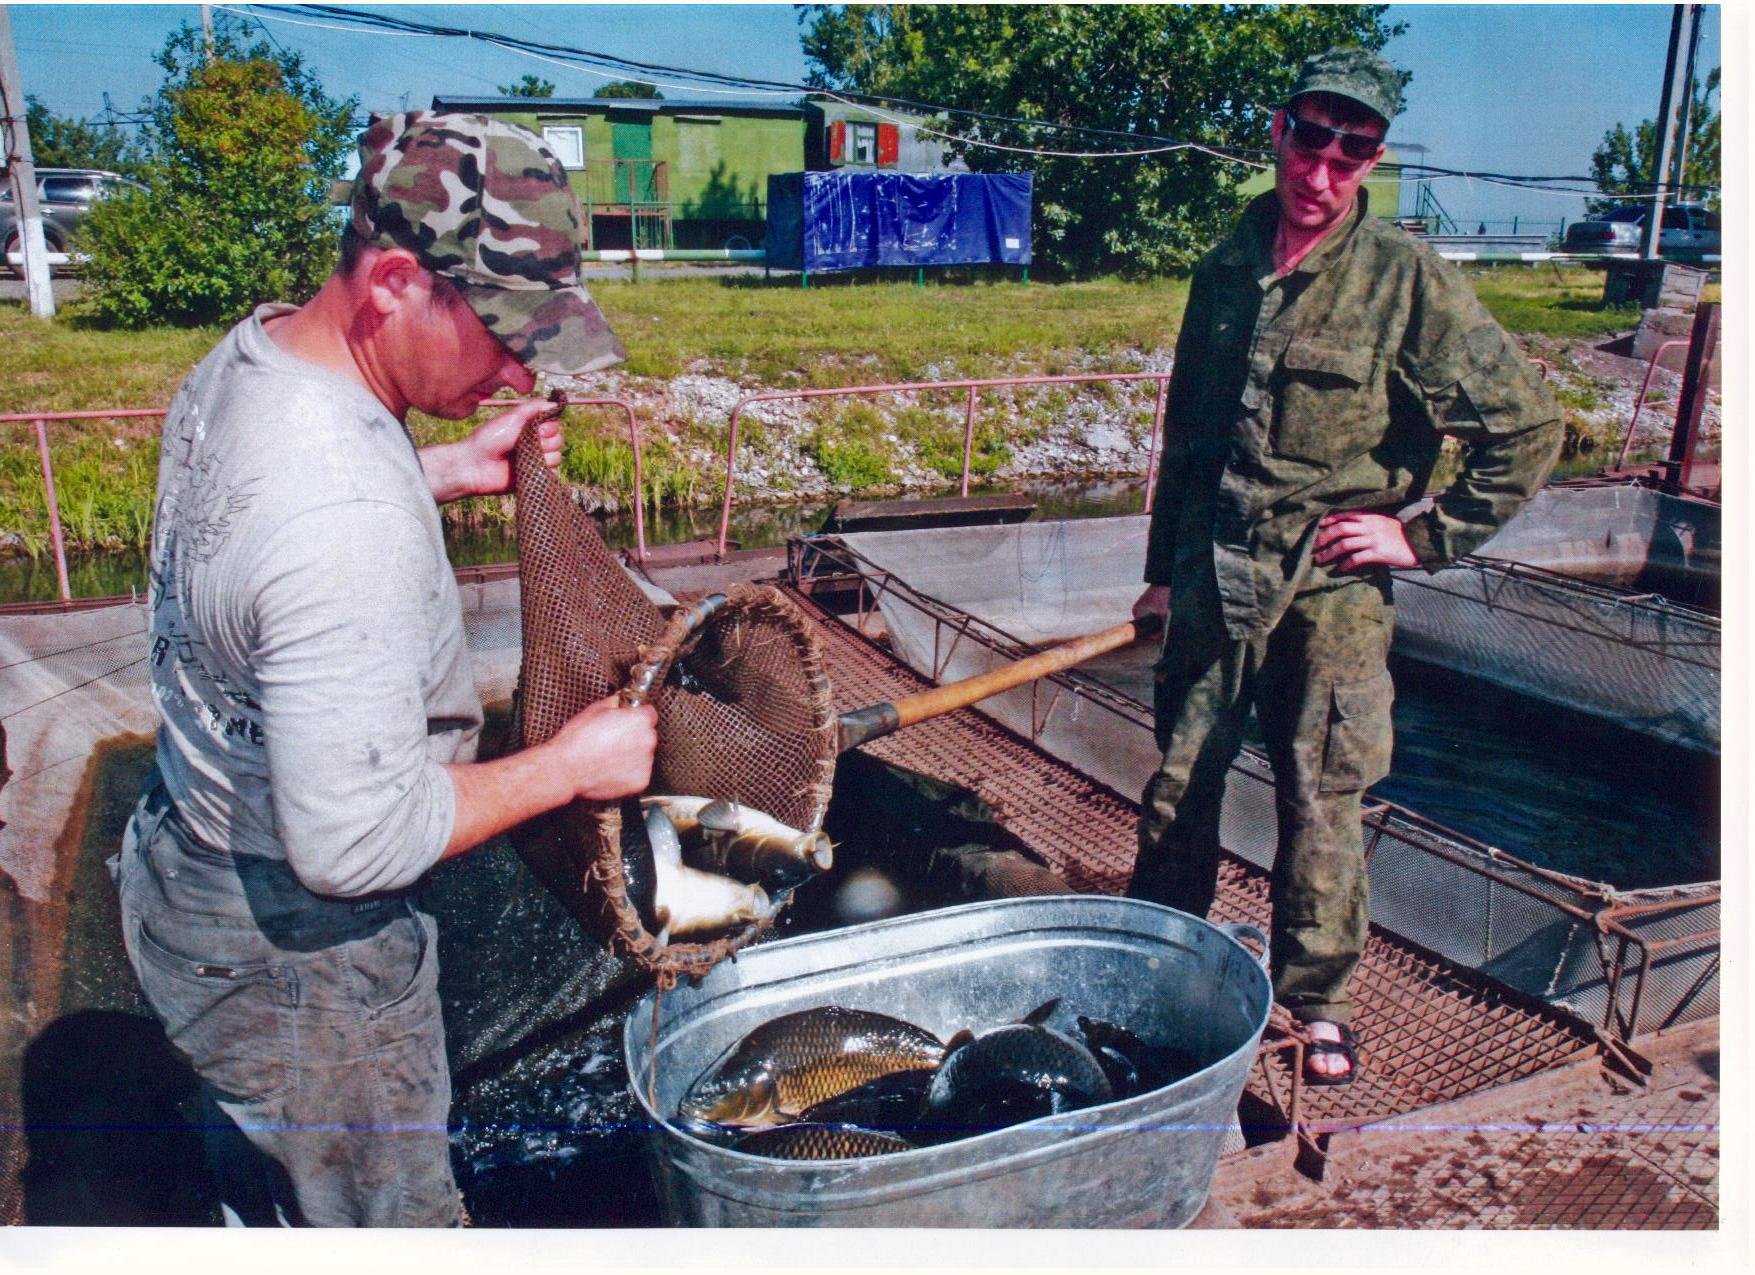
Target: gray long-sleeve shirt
308, 654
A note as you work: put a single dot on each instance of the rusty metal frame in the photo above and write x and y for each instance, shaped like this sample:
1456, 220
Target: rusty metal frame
1590, 904
1639, 403
919, 387
1615, 923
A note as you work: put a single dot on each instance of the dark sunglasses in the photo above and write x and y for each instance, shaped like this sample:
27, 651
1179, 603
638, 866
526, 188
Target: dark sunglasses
1316, 137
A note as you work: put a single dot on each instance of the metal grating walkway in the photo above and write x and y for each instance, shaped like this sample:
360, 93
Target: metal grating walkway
1433, 1031
1573, 1152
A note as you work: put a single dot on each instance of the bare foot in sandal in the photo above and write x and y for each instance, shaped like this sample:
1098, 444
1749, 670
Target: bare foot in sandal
1331, 1057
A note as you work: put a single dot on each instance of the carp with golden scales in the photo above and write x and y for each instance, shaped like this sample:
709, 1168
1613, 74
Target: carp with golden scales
791, 1063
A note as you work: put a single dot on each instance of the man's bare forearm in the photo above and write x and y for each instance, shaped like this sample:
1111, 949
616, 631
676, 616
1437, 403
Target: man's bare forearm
493, 796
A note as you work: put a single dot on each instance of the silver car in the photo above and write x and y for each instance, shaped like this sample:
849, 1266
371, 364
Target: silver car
1688, 231
64, 195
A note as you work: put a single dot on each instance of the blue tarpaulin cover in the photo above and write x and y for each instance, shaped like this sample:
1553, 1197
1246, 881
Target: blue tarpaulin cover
846, 221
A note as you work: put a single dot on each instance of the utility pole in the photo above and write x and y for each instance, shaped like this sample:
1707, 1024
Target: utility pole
1685, 117
207, 30
24, 177
1682, 24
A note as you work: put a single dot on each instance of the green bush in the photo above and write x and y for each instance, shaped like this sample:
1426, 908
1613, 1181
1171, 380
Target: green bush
938, 444
854, 465
241, 150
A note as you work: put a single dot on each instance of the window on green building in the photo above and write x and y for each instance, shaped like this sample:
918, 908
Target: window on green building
567, 141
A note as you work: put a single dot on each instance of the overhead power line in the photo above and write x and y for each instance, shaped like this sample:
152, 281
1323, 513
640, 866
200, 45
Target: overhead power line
600, 63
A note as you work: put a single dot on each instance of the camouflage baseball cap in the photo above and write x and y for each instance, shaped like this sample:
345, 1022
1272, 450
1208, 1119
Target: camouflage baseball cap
1355, 73
485, 204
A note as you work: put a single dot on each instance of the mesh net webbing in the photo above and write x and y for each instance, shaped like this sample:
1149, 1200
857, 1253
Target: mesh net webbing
745, 713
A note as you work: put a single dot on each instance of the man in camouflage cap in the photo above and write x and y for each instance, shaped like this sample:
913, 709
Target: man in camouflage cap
485, 205
1324, 355
319, 713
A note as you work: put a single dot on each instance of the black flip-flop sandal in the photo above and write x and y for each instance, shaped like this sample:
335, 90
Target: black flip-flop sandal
1346, 1047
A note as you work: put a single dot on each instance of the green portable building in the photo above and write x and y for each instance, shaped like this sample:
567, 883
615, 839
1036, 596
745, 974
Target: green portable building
661, 172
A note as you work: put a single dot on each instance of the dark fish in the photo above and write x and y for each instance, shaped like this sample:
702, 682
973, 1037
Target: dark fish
1011, 1074
1118, 1068
1153, 1066
889, 1103
798, 1060
819, 1142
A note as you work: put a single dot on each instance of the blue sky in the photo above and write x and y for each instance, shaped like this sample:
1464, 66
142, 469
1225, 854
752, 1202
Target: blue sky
1508, 88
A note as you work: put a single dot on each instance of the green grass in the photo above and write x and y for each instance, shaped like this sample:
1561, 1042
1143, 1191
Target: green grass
765, 335
1586, 397
1531, 300
782, 336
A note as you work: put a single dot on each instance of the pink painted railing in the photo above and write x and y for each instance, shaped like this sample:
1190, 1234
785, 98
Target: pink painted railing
1638, 403
639, 460
41, 421
973, 388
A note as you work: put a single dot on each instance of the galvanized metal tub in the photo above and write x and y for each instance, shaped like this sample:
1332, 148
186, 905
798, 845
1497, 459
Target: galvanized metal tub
1146, 1161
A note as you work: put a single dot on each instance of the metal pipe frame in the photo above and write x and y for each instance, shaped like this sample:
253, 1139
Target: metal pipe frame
1638, 403
1497, 573
40, 421
1613, 923
915, 387
634, 442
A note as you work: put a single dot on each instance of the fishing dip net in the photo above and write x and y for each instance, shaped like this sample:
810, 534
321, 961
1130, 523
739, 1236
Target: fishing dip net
744, 711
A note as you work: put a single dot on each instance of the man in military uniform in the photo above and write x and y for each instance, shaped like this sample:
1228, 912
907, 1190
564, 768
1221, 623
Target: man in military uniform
1323, 357
319, 714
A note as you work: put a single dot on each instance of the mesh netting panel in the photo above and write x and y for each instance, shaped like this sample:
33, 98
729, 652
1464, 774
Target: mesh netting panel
745, 713
1648, 664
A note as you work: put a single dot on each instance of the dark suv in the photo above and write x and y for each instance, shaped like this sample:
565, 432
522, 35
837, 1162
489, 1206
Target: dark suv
64, 195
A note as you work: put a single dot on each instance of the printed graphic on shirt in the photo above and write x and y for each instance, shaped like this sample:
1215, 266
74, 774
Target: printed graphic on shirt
207, 522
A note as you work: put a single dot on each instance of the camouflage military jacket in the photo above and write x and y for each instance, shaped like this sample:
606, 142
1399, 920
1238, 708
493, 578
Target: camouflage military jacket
1332, 388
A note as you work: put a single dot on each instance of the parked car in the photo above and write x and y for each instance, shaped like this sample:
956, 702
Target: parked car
65, 196
1688, 231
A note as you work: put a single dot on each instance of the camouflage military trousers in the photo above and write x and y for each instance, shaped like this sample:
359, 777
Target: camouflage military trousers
1322, 693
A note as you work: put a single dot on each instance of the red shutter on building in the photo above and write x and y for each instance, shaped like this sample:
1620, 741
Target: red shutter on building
837, 141
889, 144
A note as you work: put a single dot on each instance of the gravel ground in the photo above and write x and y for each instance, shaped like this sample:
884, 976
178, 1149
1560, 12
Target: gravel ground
1090, 431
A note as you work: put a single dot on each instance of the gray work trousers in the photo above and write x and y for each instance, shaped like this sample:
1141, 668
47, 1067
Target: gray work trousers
1322, 695
313, 1024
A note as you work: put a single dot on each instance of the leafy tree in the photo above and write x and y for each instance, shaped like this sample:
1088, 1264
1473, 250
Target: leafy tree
241, 151
529, 86
1210, 74
57, 141
628, 88
1623, 164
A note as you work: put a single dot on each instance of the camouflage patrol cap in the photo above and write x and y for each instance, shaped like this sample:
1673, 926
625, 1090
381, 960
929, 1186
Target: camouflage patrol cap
1355, 73
485, 204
